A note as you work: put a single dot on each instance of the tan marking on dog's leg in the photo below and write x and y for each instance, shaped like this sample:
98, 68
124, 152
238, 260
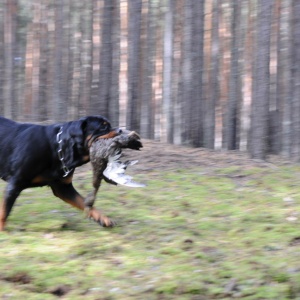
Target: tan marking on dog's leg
67, 193
2, 215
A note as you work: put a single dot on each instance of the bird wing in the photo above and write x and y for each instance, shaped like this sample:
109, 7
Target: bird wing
115, 171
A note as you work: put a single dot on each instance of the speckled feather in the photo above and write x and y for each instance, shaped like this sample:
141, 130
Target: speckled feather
105, 158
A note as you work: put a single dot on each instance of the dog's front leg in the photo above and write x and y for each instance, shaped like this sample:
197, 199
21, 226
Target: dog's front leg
91, 197
67, 193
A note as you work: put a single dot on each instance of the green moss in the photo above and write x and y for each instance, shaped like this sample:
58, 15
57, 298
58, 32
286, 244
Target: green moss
184, 234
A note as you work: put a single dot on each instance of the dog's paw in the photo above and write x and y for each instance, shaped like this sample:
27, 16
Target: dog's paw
106, 222
99, 218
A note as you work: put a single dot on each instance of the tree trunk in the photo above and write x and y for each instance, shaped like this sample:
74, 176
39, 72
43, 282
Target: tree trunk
247, 72
261, 81
65, 57
295, 88
275, 103
186, 77
105, 76
36, 55
58, 96
214, 88
147, 111
10, 14
86, 22
123, 63
49, 62
197, 101
75, 40
167, 74
176, 74
234, 98
225, 49
42, 97
134, 31
113, 105
28, 104
96, 46
158, 75
284, 68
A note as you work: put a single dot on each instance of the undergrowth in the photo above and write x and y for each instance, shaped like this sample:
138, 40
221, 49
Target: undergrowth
233, 233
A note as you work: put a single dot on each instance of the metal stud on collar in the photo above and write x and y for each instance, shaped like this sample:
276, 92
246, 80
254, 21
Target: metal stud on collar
66, 170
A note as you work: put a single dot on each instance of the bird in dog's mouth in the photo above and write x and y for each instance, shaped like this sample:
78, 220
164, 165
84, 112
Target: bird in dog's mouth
105, 157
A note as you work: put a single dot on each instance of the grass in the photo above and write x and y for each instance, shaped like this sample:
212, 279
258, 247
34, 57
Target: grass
233, 233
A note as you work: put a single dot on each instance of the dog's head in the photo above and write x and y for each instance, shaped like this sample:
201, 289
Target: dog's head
77, 136
93, 127
98, 127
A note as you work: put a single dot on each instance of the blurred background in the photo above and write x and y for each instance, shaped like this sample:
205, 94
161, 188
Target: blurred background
220, 74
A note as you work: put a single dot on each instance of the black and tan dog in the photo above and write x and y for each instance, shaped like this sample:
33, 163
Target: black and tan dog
35, 155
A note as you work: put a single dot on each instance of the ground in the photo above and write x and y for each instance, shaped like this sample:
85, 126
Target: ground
208, 225
161, 156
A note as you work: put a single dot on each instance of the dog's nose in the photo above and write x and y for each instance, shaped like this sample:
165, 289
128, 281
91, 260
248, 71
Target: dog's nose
119, 131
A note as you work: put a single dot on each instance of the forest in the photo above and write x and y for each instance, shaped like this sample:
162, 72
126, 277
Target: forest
210, 73
196, 79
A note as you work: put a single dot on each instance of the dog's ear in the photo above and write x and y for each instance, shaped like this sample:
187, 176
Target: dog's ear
77, 132
72, 141
74, 135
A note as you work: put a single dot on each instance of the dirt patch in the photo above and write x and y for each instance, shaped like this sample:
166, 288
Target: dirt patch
60, 291
157, 155
19, 278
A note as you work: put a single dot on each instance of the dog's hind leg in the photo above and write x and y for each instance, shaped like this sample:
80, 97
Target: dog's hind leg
66, 192
11, 193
